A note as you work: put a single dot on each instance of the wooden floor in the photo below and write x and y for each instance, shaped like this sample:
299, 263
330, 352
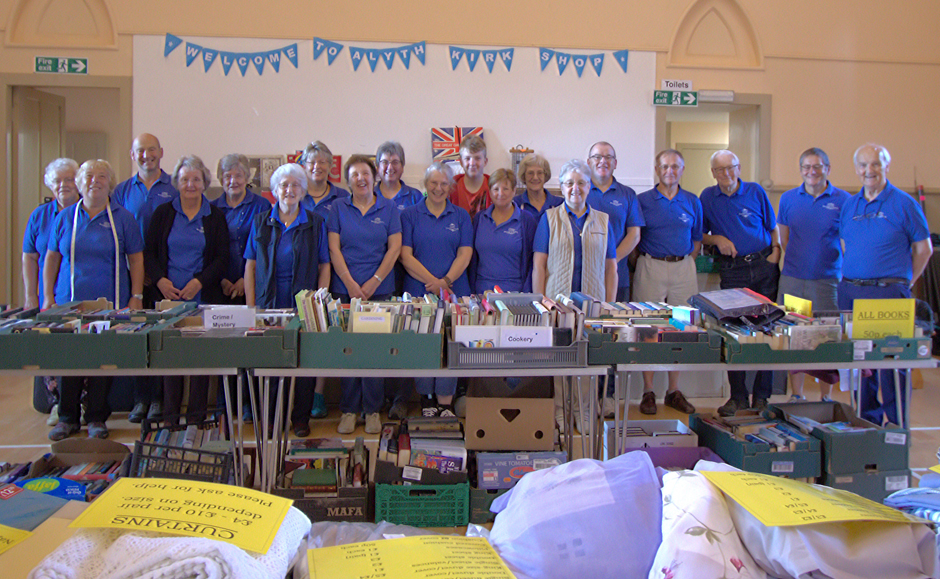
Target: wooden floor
23, 430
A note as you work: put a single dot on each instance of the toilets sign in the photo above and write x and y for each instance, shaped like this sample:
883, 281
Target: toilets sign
58, 65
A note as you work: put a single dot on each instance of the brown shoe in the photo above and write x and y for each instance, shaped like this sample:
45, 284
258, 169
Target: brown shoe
677, 400
648, 403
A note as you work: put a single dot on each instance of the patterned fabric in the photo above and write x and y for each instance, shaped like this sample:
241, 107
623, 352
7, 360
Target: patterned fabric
445, 141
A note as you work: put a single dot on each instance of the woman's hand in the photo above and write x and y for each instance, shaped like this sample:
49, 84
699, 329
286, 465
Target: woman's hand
188, 293
238, 288
435, 286
167, 288
227, 287
369, 287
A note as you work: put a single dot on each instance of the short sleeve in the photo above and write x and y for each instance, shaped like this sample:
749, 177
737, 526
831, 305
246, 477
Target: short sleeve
770, 220
407, 228
394, 220
332, 220
32, 232
540, 243
783, 216
611, 245
916, 226
58, 230
634, 211
697, 218
466, 228
133, 242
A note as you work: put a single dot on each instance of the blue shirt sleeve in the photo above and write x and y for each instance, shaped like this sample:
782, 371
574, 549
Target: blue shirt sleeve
611, 245
394, 221
32, 232
332, 220
770, 221
466, 228
697, 216
634, 212
407, 228
133, 242
324, 256
250, 252
58, 230
540, 243
783, 216
916, 223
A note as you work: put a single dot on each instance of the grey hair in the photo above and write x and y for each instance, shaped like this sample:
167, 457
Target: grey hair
288, 170
664, 152
443, 168
533, 159
716, 154
231, 161
191, 162
390, 148
574, 165
313, 149
817, 152
53, 168
883, 153
91, 165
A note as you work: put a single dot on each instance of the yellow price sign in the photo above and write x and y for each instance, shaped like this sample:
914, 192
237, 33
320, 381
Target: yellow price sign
798, 305
10, 537
875, 319
422, 557
246, 518
780, 502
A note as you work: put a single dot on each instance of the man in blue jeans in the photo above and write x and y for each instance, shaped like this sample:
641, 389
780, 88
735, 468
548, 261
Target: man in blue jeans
887, 246
739, 220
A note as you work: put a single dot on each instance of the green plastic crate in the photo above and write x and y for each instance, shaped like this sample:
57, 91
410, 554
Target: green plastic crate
169, 348
338, 349
706, 264
480, 501
163, 310
894, 348
604, 351
874, 485
423, 505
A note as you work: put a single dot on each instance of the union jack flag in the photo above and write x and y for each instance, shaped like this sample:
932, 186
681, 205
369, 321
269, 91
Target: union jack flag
445, 141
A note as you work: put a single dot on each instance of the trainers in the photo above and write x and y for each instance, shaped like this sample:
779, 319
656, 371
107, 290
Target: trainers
759, 404
319, 406
730, 407
608, 407
81, 419
247, 417
398, 411
301, 428
97, 430
826, 399
137, 413
155, 412
676, 399
63, 430
347, 423
446, 411
560, 418
648, 403
373, 423
796, 398
53, 416
428, 408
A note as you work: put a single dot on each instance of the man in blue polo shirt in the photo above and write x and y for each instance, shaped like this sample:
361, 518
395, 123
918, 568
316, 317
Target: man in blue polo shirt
140, 195
739, 221
887, 246
665, 268
808, 221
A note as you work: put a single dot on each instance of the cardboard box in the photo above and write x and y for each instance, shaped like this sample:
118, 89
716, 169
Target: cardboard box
871, 485
680, 457
73, 451
653, 435
503, 470
510, 424
480, 501
874, 449
351, 504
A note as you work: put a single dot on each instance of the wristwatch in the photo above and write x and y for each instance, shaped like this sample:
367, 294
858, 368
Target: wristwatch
138, 296
376, 276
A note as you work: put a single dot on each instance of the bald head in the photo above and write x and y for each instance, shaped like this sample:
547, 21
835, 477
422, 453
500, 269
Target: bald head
146, 152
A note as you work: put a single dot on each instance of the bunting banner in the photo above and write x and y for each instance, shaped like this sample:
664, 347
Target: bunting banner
372, 55
474, 56
579, 61
208, 56
621, 57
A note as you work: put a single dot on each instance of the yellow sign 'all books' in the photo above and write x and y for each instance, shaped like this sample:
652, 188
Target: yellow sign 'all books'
875, 319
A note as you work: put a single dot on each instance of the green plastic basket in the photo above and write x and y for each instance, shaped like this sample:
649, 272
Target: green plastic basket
423, 505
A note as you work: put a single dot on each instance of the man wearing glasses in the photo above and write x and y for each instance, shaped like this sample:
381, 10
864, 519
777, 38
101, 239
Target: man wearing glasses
887, 246
740, 222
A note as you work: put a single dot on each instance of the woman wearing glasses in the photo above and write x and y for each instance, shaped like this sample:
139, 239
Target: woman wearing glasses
317, 161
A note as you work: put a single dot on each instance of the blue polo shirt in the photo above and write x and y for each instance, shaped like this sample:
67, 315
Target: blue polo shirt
434, 241
239, 227
672, 225
620, 204
746, 218
813, 248
879, 234
134, 197
36, 237
363, 240
323, 207
187, 243
94, 253
406, 196
541, 242
550, 201
499, 252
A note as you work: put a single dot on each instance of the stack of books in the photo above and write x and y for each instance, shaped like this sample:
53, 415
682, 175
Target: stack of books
323, 465
779, 436
792, 332
435, 443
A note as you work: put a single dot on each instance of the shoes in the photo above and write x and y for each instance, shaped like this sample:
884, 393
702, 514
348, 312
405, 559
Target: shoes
347, 423
155, 412
373, 423
97, 430
560, 418
301, 428
81, 419
398, 411
63, 430
609, 407
648, 403
826, 399
676, 400
137, 413
730, 407
460, 405
428, 407
319, 406
759, 404
247, 417
796, 398
446, 411
53, 416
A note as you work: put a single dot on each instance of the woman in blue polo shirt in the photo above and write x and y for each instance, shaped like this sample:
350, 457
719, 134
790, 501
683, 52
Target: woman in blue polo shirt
534, 172
436, 245
187, 253
94, 250
288, 252
317, 161
502, 240
365, 242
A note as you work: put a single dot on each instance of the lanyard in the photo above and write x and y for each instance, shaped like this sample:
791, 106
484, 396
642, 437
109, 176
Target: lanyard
117, 255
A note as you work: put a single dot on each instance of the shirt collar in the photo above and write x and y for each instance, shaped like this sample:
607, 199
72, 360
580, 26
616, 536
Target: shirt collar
826, 191
203, 208
448, 208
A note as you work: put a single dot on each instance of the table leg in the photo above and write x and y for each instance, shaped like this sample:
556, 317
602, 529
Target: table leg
236, 447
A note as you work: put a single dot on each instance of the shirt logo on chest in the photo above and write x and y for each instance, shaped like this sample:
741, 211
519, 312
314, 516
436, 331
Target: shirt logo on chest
453, 228
616, 203
511, 231
401, 207
104, 225
684, 218
201, 229
377, 221
164, 194
745, 214
831, 206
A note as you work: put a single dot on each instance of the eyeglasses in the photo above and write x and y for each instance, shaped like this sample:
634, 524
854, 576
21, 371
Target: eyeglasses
667, 167
808, 168
599, 158
393, 162
320, 162
572, 184
725, 169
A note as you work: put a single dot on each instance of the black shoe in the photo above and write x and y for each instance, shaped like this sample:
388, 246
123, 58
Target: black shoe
137, 413
730, 407
759, 404
301, 428
155, 412
677, 401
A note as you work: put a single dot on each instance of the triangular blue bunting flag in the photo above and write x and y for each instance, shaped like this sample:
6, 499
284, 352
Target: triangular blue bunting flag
242, 59
319, 45
404, 54
621, 57
192, 51
228, 59
373, 55
473, 57
545, 56
489, 58
597, 61
170, 44
258, 59
208, 57
388, 55
455, 55
291, 53
332, 49
579, 61
562, 60
356, 55
274, 58
418, 50
506, 56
